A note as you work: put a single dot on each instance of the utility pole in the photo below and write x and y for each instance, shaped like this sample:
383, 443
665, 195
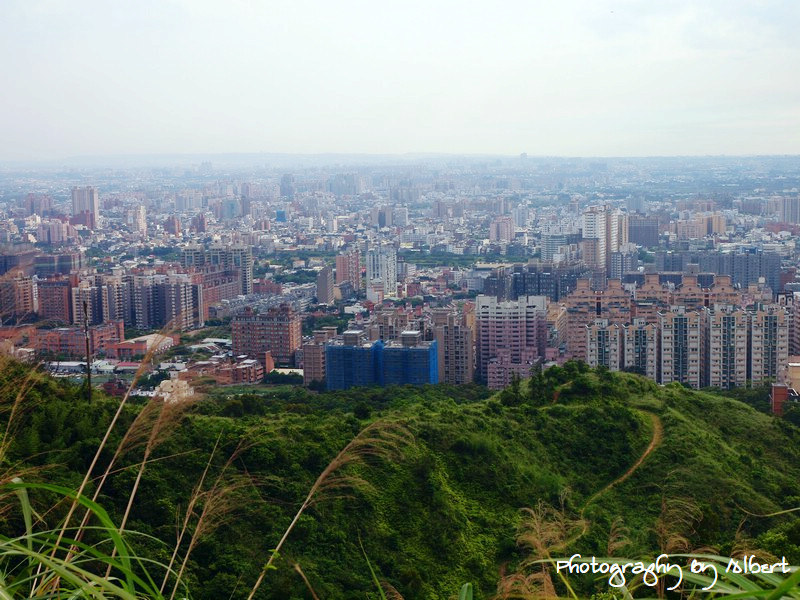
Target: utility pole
88, 352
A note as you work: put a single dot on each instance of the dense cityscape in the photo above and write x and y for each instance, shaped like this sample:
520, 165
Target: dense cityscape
419, 300
357, 271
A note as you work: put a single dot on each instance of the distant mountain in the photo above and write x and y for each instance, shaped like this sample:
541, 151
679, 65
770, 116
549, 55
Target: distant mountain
223, 161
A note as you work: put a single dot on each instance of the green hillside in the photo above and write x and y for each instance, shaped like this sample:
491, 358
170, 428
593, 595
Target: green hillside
437, 501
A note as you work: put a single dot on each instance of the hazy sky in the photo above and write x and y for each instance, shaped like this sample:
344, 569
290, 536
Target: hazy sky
555, 77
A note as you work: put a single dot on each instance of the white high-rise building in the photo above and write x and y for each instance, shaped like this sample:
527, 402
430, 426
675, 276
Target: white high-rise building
86, 199
136, 219
400, 216
595, 228
616, 231
382, 269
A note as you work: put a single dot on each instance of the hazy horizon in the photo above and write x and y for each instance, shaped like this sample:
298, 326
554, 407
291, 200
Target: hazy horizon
579, 79
288, 161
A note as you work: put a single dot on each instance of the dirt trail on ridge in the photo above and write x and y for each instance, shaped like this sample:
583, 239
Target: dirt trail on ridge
658, 435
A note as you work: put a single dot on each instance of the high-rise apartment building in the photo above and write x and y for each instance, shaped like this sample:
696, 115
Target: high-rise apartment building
55, 299
219, 284
142, 304
641, 348
26, 298
699, 226
173, 225
410, 360
56, 233
625, 260
690, 294
643, 231
200, 223
516, 327
387, 323
288, 188
636, 204
745, 266
595, 230
616, 232
691, 329
17, 260
179, 303
119, 297
725, 351
325, 286
790, 209
223, 256
63, 263
551, 244
88, 304
345, 184
534, 279
382, 216
604, 344
502, 229
400, 216
70, 342
136, 219
520, 215
86, 200
651, 290
175, 301
681, 333
769, 344
38, 204
455, 344
278, 331
654, 294
18, 296
348, 268
584, 305
791, 302
353, 361
314, 355
382, 269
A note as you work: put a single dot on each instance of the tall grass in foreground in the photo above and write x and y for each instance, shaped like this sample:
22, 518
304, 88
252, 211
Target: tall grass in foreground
547, 533
56, 562
86, 554
35, 564
381, 439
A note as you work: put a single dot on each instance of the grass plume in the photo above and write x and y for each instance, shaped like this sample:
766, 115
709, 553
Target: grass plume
543, 531
306, 581
380, 439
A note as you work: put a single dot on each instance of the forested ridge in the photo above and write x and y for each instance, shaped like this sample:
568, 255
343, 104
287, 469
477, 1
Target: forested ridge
441, 506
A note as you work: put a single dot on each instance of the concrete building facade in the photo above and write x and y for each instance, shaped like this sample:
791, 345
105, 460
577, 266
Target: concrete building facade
518, 327
278, 331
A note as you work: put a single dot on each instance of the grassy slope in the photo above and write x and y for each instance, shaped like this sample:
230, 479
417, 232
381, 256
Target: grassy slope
448, 512
720, 453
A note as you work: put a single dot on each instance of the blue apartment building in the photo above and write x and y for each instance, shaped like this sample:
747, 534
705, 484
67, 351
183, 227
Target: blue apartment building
355, 361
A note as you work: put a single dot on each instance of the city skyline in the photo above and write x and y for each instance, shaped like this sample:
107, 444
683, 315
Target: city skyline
499, 266
577, 79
